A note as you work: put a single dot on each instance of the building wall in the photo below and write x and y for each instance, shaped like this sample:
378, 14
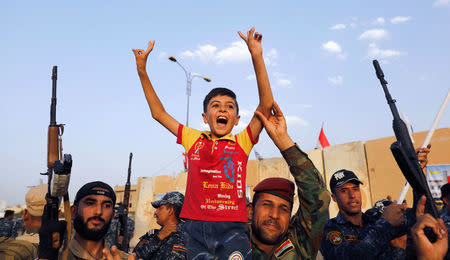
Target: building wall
372, 162
385, 176
348, 156
120, 191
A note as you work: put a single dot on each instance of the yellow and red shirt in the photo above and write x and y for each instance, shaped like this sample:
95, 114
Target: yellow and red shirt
215, 189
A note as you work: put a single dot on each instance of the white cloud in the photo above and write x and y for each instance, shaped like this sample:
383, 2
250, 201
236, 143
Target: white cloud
281, 80
332, 47
353, 25
376, 53
236, 52
379, 21
251, 77
295, 120
246, 114
438, 3
271, 57
374, 34
335, 48
400, 19
339, 26
338, 80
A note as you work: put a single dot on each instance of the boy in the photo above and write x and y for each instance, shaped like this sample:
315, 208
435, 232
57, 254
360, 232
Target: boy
215, 191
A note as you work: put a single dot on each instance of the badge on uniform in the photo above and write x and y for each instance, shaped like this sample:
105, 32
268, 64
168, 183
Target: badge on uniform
284, 248
179, 248
334, 237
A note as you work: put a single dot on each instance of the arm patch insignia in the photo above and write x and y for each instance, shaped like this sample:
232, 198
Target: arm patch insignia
179, 248
335, 237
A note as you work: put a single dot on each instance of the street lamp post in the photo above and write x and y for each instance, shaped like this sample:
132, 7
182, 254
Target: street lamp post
189, 77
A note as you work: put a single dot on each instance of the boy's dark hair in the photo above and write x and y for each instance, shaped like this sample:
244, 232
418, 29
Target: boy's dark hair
219, 92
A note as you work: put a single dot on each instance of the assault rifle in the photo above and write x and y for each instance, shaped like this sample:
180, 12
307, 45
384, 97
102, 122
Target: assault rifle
123, 212
58, 171
403, 150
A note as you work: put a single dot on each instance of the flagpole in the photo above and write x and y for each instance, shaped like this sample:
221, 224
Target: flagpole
426, 142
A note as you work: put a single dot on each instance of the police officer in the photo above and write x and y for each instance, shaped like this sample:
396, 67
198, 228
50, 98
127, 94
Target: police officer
272, 234
166, 243
353, 234
7, 224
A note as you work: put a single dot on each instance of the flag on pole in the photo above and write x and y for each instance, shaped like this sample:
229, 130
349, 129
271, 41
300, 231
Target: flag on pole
323, 141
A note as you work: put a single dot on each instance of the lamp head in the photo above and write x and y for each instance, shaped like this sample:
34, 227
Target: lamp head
207, 79
172, 58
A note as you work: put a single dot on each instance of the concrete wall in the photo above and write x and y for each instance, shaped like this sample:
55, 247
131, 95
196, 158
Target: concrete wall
348, 156
385, 176
144, 217
372, 162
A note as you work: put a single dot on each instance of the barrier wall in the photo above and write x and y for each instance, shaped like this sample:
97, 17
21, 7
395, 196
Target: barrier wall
372, 162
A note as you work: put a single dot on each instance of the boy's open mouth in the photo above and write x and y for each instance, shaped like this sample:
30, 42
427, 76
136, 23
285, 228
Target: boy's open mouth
222, 120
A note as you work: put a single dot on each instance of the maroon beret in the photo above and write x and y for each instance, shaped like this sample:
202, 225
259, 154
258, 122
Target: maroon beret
280, 187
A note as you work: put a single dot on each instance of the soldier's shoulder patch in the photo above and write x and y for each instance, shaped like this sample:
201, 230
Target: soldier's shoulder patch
284, 248
335, 237
142, 241
179, 248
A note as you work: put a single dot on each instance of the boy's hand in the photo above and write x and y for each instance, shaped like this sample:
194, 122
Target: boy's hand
276, 127
253, 41
141, 55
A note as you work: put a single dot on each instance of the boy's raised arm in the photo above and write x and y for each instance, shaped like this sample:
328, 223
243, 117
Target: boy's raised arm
156, 107
253, 41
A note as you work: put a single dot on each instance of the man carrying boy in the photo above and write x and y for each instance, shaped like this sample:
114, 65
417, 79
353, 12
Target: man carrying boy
215, 191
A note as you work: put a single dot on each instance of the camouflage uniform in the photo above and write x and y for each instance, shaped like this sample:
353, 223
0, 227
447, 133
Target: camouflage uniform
7, 228
343, 240
172, 247
112, 237
445, 216
303, 237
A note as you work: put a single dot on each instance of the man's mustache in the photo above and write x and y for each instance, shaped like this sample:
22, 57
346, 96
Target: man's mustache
272, 222
96, 218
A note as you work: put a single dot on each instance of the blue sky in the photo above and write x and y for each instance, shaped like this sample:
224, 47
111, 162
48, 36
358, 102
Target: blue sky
318, 55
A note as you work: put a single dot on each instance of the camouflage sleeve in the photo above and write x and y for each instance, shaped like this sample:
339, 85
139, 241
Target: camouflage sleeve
314, 201
150, 247
377, 238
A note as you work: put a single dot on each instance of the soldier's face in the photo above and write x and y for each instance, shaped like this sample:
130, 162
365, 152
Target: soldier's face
270, 218
93, 215
348, 198
162, 214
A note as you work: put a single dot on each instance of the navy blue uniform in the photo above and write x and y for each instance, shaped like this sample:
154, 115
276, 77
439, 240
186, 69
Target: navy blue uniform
343, 240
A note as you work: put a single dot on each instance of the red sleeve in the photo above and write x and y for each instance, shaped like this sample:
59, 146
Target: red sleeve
180, 133
249, 132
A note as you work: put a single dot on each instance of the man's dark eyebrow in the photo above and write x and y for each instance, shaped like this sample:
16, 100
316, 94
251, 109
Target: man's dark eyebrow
90, 199
107, 201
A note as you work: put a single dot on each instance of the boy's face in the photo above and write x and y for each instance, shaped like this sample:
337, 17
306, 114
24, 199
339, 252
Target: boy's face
221, 115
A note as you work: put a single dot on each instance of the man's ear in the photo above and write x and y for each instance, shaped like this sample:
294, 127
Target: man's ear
73, 211
250, 213
237, 120
205, 118
26, 214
